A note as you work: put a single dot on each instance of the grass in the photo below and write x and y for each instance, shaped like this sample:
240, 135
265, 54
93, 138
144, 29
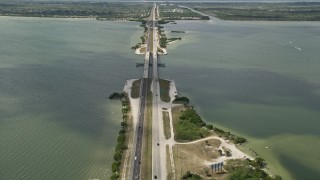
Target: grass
166, 124
168, 164
187, 124
164, 90
231, 164
151, 40
146, 164
191, 157
175, 116
135, 90
263, 11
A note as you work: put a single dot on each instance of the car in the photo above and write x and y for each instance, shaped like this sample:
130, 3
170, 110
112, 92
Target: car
158, 144
155, 177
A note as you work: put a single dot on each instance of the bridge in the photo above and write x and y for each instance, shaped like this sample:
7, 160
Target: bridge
150, 72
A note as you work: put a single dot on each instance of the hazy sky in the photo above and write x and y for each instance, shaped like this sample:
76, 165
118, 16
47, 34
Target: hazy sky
167, 1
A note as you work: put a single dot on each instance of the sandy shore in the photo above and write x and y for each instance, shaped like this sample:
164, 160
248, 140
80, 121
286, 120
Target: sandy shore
138, 50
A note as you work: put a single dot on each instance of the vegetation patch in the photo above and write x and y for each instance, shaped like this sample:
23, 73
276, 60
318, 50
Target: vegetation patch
244, 173
164, 90
98, 10
166, 124
173, 39
181, 100
191, 157
189, 126
143, 37
170, 173
227, 135
135, 90
117, 95
178, 31
298, 11
121, 140
242, 169
191, 176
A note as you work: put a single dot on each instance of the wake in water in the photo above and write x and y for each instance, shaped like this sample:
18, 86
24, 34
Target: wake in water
291, 45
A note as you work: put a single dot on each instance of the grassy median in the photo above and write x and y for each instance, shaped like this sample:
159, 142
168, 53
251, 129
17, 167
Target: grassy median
146, 163
166, 124
170, 174
135, 90
164, 90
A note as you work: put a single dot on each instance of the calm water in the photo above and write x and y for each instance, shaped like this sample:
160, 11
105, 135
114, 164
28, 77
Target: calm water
260, 80
56, 121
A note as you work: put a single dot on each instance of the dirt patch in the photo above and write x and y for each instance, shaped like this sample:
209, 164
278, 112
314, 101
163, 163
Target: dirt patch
193, 157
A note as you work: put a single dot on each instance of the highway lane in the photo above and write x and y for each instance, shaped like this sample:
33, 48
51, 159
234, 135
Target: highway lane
139, 130
158, 147
135, 174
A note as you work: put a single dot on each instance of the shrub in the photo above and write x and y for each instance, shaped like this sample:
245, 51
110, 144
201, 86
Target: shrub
114, 176
115, 166
116, 95
117, 156
191, 176
209, 126
121, 138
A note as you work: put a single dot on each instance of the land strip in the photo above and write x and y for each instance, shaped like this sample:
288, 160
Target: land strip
166, 124
250, 11
146, 163
98, 10
192, 146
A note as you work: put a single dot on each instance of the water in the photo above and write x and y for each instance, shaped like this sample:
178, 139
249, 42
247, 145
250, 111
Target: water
56, 74
248, 78
56, 121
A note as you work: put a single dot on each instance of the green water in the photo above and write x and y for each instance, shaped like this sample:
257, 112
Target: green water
56, 121
249, 79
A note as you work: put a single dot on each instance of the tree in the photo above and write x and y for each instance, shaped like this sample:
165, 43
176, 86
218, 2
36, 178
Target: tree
260, 162
117, 156
209, 126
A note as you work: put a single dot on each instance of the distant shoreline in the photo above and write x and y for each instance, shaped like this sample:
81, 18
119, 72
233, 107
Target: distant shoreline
192, 10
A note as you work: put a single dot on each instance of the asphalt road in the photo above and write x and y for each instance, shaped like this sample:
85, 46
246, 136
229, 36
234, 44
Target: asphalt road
158, 150
139, 131
142, 106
